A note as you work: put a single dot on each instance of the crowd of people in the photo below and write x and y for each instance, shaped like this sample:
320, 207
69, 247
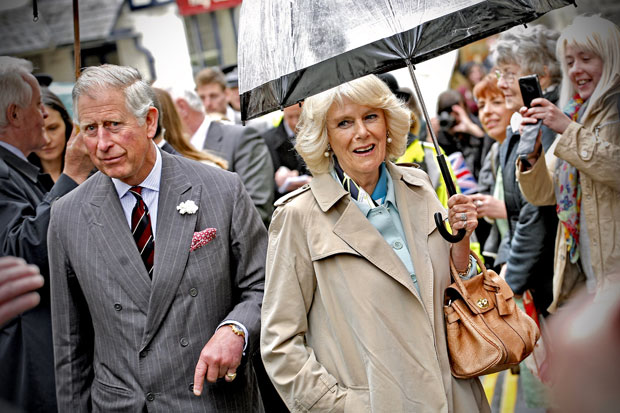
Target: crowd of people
157, 255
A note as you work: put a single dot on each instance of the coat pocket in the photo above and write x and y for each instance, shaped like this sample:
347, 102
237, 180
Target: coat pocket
357, 400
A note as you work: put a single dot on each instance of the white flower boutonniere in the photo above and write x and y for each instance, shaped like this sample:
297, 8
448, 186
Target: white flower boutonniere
187, 207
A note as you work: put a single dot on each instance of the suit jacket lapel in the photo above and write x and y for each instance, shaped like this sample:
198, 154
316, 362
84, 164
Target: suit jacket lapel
355, 230
172, 241
107, 222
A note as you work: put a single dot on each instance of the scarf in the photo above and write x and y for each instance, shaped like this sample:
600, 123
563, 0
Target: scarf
357, 192
569, 192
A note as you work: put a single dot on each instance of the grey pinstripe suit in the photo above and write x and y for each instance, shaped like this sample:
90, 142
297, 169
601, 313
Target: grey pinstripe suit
125, 343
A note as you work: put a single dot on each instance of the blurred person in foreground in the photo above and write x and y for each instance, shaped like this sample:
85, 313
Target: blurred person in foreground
585, 353
171, 137
157, 268
352, 318
58, 126
26, 195
578, 175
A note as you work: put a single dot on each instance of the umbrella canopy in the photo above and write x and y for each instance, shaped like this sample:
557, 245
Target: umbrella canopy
289, 50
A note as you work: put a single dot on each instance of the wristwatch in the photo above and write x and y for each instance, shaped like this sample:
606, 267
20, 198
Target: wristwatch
237, 330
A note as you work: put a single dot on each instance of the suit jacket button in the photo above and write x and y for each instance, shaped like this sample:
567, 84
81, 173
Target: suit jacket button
193, 292
191, 387
118, 307
150, 396
184, 342
143, 354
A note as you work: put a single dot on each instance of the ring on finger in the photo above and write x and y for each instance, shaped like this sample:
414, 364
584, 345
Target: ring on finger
479, 203
231, 376
463, 216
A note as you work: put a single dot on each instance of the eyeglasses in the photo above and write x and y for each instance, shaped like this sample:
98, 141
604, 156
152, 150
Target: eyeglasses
509, 77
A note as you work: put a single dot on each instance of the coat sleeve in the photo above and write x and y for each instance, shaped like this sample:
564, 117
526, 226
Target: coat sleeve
253, 164
527, 245
537, 183
248, 239
302, 382
72, 328
23, 227
594, 152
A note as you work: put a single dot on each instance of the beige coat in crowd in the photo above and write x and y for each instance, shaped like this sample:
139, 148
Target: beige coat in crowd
594, 149
343, 327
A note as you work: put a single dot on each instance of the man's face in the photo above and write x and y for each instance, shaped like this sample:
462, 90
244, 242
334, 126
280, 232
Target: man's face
33, 117
117, 144
213, 98
291, 116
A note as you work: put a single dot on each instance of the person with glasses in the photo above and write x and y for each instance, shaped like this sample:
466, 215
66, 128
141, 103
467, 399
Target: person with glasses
525, 252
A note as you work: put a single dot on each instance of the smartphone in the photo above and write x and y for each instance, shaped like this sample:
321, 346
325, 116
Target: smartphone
530, 89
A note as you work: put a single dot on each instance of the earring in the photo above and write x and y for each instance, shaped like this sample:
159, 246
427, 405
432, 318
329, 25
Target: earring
329, 148
389, 140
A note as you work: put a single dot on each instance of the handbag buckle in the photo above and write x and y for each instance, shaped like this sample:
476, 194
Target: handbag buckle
482, 303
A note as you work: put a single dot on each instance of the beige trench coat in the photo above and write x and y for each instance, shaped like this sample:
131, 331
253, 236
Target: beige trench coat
343, 327
594, 149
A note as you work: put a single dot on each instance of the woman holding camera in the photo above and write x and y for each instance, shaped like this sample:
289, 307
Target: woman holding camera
582, 179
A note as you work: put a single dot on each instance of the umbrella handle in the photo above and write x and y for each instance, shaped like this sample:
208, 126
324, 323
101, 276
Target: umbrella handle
447, 178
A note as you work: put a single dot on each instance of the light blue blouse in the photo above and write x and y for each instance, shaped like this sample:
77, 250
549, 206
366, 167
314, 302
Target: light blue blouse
386, 219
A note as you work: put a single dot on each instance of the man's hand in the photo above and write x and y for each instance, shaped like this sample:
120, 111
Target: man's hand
221, 355
77, 161
17, 282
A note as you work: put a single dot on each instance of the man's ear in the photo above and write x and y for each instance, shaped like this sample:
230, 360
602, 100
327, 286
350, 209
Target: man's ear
13, 115
152, 117
182, 106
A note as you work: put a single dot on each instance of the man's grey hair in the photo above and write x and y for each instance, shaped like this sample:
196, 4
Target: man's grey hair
531, 49
13, 86
94, 79
190, 96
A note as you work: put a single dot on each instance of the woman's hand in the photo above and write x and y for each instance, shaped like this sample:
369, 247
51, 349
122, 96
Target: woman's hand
462, 214
551, 115
489, 206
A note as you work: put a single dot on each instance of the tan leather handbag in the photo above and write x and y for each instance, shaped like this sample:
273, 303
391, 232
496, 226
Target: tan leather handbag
486, 330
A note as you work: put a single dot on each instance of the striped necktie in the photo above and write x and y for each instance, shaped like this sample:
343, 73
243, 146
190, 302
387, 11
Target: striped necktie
141, 230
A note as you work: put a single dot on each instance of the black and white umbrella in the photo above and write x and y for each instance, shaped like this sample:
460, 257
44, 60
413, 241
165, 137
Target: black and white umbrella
289, 50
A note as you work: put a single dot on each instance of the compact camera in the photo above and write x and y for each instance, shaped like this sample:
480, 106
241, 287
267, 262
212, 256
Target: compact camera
446, 121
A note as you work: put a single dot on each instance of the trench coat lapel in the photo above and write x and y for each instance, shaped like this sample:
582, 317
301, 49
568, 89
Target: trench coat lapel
357, 232
418, 223
117, 247
172, 241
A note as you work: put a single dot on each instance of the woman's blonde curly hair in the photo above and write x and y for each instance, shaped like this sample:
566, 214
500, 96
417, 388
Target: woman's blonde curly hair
368, 91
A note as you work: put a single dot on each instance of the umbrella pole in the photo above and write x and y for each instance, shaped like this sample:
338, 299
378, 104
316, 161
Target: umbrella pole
441, 160
76, 39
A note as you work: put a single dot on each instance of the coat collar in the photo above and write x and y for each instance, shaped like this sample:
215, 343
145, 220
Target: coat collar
359, 234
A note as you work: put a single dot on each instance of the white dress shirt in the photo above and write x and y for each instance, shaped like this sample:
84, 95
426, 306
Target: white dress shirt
199, 137
150, 193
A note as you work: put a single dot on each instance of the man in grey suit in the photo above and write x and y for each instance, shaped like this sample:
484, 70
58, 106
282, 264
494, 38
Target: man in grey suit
137, 326
242, 147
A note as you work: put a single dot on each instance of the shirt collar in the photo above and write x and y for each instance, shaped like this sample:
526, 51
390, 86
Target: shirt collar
385, 185
199, 137
13, 150
289, 132
152, 181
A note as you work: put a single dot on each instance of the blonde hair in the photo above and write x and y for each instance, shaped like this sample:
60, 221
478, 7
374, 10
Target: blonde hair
173, 132
601, 37
368, 91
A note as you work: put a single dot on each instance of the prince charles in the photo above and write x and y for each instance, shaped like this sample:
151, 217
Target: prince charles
157, 268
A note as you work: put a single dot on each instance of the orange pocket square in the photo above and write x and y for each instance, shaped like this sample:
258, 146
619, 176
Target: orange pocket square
202, 238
